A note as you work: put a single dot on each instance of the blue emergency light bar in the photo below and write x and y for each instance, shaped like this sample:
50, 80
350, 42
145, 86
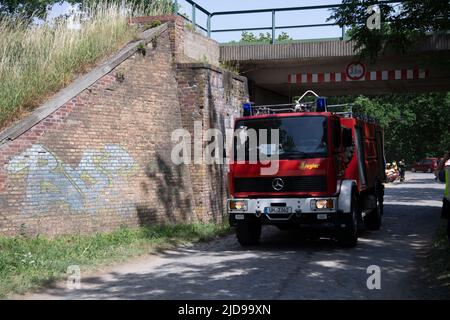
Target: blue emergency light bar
321, 104
247, 109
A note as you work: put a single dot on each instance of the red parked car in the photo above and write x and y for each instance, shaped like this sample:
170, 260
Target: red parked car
426, 165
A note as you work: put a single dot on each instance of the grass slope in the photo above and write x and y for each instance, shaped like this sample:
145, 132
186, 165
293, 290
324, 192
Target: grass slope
27, 263
38, 60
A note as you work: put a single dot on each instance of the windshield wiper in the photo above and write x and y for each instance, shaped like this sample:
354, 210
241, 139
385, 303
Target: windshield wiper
294, 154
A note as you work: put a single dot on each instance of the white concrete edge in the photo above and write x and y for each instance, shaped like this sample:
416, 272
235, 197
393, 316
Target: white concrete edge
77, 86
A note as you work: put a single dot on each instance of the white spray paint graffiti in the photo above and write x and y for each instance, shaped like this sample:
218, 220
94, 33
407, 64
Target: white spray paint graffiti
50, 181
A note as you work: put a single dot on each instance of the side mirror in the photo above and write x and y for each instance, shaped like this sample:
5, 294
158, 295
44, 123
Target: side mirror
347, 139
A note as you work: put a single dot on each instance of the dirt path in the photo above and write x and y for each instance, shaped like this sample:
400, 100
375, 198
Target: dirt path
284, 266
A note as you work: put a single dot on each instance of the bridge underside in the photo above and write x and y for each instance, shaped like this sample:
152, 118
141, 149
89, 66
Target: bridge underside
323, 67
279, 81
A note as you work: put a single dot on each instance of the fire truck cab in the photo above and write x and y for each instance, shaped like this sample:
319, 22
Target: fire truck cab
330, 169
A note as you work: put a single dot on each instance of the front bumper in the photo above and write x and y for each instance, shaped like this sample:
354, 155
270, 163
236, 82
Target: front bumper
302, 212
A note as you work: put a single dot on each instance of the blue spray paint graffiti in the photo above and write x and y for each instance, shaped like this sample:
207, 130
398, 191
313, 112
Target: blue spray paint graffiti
50, 181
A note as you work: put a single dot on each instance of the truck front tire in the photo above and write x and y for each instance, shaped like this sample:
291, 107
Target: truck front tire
248, 232
348, 236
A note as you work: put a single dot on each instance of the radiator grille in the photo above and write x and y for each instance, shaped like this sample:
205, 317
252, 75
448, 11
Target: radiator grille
290, 184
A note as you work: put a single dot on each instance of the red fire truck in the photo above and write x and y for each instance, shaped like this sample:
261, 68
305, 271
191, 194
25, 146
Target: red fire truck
330, 171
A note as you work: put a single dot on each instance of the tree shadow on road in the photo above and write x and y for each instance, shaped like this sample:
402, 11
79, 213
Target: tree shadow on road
411, 195
426, 179
283, 266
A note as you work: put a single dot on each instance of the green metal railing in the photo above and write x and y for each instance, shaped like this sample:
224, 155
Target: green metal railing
273, 28
193, 19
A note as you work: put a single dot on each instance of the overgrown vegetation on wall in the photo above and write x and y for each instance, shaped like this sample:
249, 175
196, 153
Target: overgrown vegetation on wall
31, 9
37, 60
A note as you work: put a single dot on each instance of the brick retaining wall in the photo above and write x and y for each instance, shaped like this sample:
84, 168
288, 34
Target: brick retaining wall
103, 159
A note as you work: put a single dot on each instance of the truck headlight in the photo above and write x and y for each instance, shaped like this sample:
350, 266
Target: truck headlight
240, 205
322, 204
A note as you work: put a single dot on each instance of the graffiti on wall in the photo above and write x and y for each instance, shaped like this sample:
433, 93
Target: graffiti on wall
49, 181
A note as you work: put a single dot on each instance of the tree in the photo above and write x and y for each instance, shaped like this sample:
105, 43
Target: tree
283, 37
402, 23
416, 125
249, 37
26, 9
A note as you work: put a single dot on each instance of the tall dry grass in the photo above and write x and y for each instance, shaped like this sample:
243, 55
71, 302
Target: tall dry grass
37, 60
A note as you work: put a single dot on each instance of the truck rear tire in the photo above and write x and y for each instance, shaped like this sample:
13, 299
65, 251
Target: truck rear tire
248, 232
349, 236
448, 230
374, 219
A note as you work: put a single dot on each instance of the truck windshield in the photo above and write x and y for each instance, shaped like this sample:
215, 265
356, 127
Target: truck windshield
299, 137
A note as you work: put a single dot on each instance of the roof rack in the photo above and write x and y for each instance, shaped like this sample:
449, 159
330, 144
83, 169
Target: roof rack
344, 110
273, 108
303, 106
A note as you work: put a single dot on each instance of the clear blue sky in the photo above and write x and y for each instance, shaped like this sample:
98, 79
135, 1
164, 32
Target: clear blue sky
257, 20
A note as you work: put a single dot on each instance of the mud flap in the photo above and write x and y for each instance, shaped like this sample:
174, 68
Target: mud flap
343, 221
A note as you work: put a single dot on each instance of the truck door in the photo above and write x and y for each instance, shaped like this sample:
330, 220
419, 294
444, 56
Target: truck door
380, 156
359, 136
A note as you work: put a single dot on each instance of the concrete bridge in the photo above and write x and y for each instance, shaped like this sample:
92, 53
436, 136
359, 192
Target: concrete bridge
277, 72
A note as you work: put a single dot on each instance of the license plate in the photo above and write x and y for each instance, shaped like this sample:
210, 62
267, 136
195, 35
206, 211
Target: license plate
322, 216
278, 210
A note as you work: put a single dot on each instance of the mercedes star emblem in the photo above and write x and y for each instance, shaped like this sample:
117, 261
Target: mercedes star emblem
278, 184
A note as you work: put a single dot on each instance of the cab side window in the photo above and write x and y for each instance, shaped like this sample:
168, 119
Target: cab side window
336, 135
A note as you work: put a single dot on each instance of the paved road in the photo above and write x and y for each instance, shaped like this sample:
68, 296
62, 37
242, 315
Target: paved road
284, 266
